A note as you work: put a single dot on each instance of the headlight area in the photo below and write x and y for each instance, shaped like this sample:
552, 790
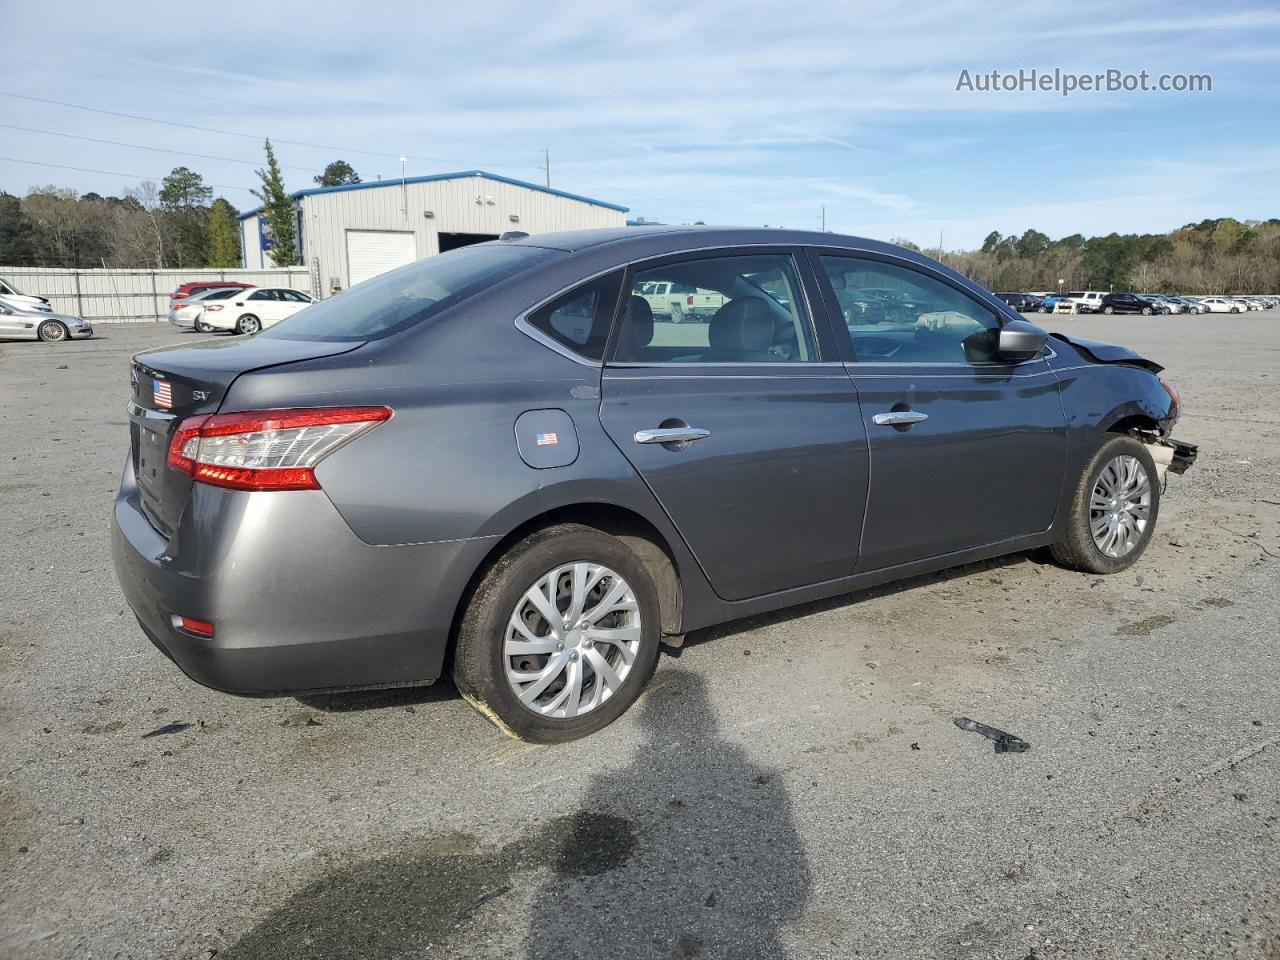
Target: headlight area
1172, 391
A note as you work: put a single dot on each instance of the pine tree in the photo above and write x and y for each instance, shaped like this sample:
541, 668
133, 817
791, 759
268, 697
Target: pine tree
277, 207
223, 239
184, 198
337, 174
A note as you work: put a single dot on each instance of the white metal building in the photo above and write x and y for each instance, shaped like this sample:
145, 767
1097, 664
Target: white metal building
351, 233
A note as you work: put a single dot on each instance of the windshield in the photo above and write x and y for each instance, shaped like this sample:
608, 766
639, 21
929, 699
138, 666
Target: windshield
409, 295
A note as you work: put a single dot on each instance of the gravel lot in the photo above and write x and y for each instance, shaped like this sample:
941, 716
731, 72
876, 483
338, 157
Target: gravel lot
791, 785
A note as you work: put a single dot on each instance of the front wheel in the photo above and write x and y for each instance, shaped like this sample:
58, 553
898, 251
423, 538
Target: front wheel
248, 324
1235, 309
1146, 311
52, 331
1114, 510
560, 635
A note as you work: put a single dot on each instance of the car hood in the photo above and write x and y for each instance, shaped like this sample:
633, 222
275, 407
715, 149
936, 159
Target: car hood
1109, 352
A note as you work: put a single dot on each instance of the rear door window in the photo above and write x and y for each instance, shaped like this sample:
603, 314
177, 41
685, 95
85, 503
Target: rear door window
740, 308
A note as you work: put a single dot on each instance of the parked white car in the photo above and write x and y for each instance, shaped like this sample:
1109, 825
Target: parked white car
17, 323
254, 309
1222, 305
1089, 300
189, 312
14, 297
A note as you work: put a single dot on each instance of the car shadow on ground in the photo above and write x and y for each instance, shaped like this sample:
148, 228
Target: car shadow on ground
689, 850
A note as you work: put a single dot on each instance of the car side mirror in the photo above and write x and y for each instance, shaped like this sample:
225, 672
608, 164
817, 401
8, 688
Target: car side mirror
1021, 340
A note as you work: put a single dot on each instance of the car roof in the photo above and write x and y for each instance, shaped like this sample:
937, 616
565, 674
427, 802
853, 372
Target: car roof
573, 241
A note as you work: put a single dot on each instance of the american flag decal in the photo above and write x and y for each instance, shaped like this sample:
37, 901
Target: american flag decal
548, 440
162, 394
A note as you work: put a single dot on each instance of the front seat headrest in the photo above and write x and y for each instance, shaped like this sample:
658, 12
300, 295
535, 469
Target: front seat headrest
744, 325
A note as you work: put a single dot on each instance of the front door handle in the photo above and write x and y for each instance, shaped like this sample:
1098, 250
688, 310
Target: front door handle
899, 417
671, 435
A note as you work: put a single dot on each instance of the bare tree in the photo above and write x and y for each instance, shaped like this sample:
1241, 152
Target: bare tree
147, 196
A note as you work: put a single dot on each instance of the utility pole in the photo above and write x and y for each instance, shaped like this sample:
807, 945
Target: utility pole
546, 164
940, 231
404, 190
824, 218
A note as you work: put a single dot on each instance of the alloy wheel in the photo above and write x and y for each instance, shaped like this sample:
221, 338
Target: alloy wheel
250, 325
1120, 506
53, 332
572, 640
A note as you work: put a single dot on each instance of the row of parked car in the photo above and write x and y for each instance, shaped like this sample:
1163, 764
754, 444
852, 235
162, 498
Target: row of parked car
231, 306
24, 317
1098, 301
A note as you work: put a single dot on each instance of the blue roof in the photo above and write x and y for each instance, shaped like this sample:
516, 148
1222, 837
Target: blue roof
442, 176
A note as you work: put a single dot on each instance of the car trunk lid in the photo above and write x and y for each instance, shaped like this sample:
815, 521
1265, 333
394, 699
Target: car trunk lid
167, 386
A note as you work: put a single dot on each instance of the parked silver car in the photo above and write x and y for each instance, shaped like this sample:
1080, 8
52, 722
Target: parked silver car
19, 324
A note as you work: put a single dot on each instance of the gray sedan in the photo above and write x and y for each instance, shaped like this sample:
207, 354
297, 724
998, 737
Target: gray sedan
17, 323
495, 463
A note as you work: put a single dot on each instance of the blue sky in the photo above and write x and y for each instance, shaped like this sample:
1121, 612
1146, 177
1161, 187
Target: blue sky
726, 112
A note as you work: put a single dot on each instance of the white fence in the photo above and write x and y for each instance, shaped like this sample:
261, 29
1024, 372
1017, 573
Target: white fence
108, 296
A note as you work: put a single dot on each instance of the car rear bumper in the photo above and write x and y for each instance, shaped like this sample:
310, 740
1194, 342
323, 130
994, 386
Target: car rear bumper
297, 601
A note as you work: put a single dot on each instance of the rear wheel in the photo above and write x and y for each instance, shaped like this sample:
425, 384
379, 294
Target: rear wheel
202, 327
248, 324
560, 635
1108, 310
677, 313
1114, 510
53, 331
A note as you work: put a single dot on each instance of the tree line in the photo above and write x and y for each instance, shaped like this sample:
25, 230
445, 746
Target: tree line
177, 223
1215, 256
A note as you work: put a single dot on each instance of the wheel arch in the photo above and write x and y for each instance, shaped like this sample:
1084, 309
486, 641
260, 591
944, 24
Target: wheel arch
644, 539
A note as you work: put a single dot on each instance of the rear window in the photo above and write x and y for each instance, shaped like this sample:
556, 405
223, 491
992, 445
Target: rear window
409, 295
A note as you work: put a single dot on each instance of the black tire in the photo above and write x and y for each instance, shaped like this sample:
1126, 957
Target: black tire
53, 331
1077, 548
1235, 309
478, 667
1146, 311
202, 327
1108, 310
677, 313
248, 325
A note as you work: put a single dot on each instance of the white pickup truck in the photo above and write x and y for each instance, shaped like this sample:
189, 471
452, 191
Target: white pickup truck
678, 301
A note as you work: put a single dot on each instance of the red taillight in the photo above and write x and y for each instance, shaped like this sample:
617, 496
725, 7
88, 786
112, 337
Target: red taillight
214, 306
267, 449
689, 300
200, 628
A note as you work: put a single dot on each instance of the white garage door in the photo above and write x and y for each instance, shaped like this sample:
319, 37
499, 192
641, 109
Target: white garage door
371, 252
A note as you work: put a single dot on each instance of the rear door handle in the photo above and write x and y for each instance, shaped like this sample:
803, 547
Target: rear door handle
898, 417
671, 435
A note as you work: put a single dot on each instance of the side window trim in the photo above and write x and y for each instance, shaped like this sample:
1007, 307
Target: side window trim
823, 346
835, 316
